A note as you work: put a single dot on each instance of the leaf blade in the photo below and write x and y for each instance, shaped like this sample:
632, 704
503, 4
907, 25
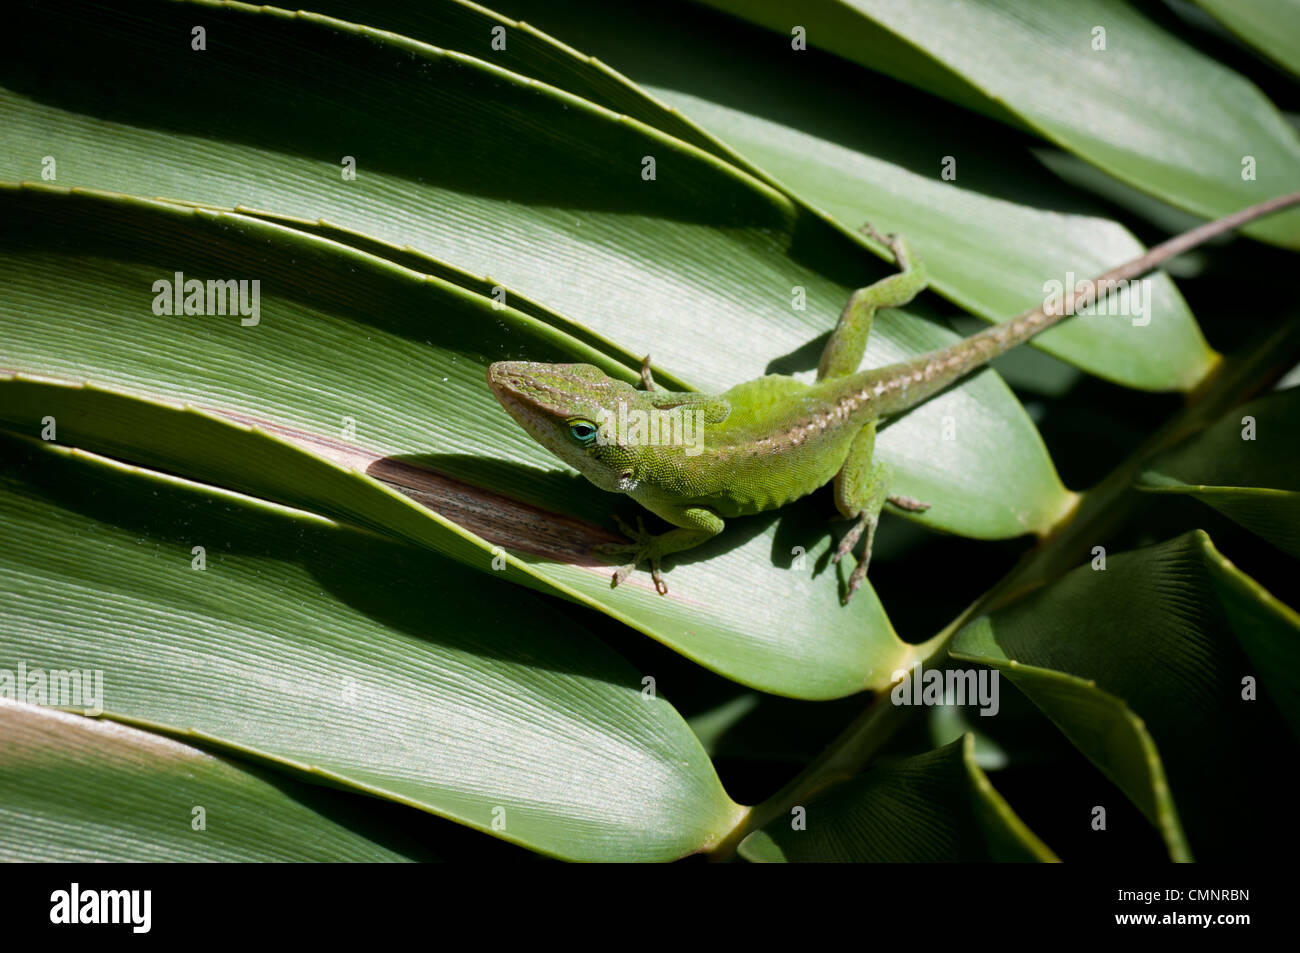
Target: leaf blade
134, 796
498, 714
1146, 108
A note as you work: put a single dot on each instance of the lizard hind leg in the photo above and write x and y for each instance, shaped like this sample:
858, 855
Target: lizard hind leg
861, 489
848, 342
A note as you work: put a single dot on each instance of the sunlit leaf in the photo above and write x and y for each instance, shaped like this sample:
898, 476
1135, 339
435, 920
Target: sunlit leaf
346, 363
279, 634
76, 789
1094, 76
803, 130
498, 176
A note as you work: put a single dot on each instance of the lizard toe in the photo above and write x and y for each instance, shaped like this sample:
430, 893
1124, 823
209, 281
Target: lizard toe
856, 579
909, 504
621, 575
660, 586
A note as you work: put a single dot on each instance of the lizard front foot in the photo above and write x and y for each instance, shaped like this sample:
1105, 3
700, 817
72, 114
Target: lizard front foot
642, 548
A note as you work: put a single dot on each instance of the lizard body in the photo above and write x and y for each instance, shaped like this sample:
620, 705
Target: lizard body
698, 459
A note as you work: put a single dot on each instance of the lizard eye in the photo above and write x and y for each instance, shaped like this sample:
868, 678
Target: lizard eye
583, 431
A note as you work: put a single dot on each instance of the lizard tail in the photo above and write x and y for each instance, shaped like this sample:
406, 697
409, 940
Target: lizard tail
892, 389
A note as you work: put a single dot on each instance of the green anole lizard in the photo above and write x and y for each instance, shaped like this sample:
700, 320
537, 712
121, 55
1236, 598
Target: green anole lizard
696, 459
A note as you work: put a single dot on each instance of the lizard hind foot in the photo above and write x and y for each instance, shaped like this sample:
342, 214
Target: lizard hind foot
864, 528
852, 536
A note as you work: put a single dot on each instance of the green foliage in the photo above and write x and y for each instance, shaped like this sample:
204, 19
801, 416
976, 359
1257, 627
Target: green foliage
330, 585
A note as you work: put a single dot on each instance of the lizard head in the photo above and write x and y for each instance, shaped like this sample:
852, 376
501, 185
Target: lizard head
563, 407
